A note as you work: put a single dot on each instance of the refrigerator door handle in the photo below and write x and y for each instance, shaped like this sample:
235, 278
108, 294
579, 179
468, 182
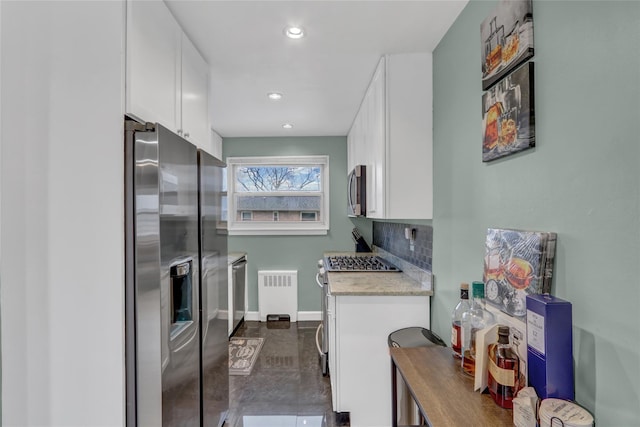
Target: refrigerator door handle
186, 343
318, 281
239, 264
318, 346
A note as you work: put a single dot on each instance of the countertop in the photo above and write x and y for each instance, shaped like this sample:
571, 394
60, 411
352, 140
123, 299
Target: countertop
443, 394
234, 256
374, 284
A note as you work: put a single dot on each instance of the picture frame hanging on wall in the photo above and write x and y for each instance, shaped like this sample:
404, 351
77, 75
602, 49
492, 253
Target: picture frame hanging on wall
508, 117
507, 39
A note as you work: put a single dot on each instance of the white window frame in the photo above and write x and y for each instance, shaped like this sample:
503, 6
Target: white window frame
238, 228
242, 216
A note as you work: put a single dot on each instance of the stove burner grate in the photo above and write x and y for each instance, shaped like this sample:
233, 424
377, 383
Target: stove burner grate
359, 263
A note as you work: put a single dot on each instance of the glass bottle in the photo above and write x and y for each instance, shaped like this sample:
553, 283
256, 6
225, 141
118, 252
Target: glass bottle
477, 318
504, 367
456, 320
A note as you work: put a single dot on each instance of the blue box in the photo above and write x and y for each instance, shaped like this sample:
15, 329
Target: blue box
550, 346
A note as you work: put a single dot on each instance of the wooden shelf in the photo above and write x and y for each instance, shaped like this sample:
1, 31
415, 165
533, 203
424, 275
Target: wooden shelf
443, 394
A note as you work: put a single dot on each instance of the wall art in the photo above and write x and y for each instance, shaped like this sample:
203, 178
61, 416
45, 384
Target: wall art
507, 39
517, 263
508, 119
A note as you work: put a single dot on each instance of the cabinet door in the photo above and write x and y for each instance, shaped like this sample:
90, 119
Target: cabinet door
409, 136
358, 141
333, 361
195, 84
363, 325
216, 145
152, 63
376, 144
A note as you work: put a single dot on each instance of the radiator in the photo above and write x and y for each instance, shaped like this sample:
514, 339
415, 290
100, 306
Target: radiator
278, 294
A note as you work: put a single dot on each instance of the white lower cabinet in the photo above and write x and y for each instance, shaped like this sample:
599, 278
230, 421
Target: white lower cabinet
359, 364
333, 371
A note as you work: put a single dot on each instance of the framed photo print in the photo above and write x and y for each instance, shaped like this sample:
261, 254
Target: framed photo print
508, 119
507, 39
517, 263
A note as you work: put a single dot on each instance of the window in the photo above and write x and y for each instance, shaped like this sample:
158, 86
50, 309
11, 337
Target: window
308, 216
278, 195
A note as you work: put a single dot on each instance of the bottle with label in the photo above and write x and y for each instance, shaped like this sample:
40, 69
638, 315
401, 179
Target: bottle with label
477, 318
456, 320
504, 367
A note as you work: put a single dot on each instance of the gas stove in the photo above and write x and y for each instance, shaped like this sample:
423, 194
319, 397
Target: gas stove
369, 263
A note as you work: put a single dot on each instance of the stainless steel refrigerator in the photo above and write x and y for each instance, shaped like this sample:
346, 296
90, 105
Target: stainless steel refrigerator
176, 280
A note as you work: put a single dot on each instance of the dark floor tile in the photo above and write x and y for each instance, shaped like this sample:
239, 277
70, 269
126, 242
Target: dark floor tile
286, 383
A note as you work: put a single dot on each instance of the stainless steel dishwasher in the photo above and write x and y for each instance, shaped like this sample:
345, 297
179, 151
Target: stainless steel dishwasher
238, 277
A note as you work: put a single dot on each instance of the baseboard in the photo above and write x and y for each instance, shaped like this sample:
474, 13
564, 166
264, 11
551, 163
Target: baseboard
309, 315
302, 316
252, 316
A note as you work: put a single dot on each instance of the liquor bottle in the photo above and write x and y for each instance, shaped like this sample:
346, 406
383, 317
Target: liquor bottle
477, 318
456, 319
504, 367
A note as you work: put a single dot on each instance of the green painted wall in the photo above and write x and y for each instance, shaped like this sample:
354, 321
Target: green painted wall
296, 252
581, 181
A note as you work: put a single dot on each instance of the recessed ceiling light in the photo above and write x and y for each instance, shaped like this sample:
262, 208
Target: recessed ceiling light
287, 126
274, 95
294, 32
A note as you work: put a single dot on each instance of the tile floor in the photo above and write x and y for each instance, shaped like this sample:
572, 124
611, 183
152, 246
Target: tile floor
286, 387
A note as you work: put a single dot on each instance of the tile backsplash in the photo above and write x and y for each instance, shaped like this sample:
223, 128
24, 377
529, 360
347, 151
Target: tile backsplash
390, 236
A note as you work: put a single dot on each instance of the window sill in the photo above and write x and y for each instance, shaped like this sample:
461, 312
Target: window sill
271, 232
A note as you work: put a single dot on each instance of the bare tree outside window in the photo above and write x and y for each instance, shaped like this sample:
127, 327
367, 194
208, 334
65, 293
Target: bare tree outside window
278, 178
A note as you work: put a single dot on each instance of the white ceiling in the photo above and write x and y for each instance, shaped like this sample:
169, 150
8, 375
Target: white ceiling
322, 76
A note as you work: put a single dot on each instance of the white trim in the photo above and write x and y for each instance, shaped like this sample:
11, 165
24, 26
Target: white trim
254, 316
309, 316
277, 232
279, 160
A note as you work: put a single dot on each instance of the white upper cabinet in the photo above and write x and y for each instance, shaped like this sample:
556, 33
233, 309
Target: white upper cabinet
216, 145
195, 88
375, 145
153, 64
166, 77
392, 136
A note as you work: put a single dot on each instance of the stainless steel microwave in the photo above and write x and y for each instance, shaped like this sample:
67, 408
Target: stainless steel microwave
357, 191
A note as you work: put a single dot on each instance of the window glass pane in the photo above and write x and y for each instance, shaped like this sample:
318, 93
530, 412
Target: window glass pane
277, 178
280, 208
224, 179
224, 214
246, 216
308, 216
